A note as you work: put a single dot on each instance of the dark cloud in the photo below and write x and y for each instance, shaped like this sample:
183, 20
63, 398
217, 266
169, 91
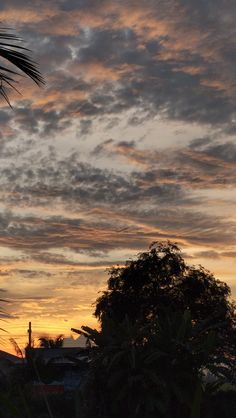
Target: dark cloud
39, 121
85, 126
212, 254
207, 254
79, 4
229, 254
71, 180
205, 163
198, 143
33, 298
159, 196
156, 73
225, 152
151, 81
111, 232
30, 274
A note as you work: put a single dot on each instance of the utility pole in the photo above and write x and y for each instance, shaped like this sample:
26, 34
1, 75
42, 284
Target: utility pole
30, 335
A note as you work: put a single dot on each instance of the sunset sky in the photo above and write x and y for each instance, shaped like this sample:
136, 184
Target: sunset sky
132, 140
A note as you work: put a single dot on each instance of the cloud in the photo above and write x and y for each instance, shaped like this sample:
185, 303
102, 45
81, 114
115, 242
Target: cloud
207, 254
155, 200
130, 141
204, 163
148, 56
214, 255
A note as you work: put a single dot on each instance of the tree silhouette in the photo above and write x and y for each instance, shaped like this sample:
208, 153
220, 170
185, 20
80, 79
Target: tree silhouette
148, 372
18, 57
48, 342
163, 325
159, 279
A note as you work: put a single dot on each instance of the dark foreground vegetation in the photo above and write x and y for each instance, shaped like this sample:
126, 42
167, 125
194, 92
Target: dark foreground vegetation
165, 349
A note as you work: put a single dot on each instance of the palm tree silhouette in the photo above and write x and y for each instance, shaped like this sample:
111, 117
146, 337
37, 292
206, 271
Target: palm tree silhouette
19, 58
48, 342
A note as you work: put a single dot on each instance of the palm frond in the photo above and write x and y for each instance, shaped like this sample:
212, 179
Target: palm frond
18, 56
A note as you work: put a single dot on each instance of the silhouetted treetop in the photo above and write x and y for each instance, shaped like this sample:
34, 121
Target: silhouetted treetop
48, 342
159, 280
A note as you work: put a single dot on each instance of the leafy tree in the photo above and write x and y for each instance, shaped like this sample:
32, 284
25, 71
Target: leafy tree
159, 279
18, 57
147, 372
220, 404
48, 342
163, 325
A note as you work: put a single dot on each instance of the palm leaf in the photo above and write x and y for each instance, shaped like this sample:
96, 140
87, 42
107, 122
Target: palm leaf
18, 56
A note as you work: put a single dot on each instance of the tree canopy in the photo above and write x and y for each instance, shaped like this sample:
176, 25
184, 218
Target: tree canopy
164, 325
136, 372
48, 342
160, 280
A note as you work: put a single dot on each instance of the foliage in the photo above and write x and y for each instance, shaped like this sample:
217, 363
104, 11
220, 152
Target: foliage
17, 56
150, 371
164, 324
21, 403
48, 342
220, 404
160, 278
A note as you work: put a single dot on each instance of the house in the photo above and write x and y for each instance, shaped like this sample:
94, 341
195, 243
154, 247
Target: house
8, 364
80, 341
58, 370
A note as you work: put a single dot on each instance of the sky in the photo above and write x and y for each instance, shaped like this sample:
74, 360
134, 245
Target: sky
132, 140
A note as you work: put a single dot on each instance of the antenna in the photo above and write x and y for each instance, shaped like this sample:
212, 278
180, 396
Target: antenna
30, 335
